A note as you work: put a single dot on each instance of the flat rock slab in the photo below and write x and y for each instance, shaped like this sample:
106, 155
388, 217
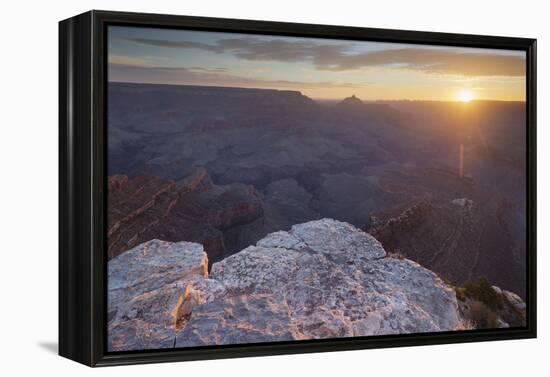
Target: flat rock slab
145, 284
239, 319
152, 265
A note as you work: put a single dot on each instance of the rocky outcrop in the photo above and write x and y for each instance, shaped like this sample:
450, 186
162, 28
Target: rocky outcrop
372, 110
487, 306
197, 181
321, 279
351, 103
455, 237
191, 209
513, 300
152, 290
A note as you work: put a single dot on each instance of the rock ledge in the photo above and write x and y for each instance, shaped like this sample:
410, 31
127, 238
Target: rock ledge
321, 279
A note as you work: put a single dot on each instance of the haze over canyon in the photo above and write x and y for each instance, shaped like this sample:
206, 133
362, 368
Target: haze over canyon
226, 166
438, 185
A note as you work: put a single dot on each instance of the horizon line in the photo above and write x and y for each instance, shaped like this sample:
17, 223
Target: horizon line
313, 98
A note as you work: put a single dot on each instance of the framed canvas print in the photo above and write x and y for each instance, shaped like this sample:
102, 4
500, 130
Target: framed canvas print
239, 188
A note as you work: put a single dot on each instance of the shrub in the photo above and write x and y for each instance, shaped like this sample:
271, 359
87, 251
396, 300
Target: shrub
482, 316
482, 290
465, 324
460, 294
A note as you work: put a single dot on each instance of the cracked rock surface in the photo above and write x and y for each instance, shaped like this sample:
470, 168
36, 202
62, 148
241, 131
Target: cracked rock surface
321, 279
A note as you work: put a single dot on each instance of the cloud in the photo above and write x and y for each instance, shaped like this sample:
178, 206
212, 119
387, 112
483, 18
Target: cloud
340, 57
176, 44
211, 70
135, 71
255, 49
442, 61
126, 60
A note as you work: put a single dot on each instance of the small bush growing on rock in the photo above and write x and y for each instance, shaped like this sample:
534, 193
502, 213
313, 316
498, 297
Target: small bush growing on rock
444, 279
395, 254
482, 315
465, 324
482, 290
460, 293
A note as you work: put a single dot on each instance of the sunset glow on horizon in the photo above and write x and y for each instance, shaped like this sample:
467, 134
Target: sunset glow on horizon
465, 96
319, 68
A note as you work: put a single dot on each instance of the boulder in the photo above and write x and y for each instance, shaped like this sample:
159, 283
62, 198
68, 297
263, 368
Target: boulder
321, 279
239, 319
148, 288
337, 281
514, 300
153, 265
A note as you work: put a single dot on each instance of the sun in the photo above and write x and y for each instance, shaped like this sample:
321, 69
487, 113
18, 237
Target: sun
465, 96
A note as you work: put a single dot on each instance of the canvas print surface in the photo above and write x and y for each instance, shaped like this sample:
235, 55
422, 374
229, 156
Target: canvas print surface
265, 188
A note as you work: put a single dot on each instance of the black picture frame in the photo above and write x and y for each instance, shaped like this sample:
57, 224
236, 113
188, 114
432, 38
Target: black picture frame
82, 186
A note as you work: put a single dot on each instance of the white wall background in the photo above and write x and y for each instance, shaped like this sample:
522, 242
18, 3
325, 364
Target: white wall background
28, 188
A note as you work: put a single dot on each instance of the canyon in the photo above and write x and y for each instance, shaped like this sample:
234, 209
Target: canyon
247, 215
226, 166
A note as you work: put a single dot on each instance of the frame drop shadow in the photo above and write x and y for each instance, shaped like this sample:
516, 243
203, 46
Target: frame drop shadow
51, 347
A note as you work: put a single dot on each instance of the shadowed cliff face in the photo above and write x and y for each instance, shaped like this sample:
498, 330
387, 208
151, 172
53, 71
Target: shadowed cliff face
192, 209
454, 227
228, 166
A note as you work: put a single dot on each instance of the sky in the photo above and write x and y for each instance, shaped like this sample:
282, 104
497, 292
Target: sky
319, 68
